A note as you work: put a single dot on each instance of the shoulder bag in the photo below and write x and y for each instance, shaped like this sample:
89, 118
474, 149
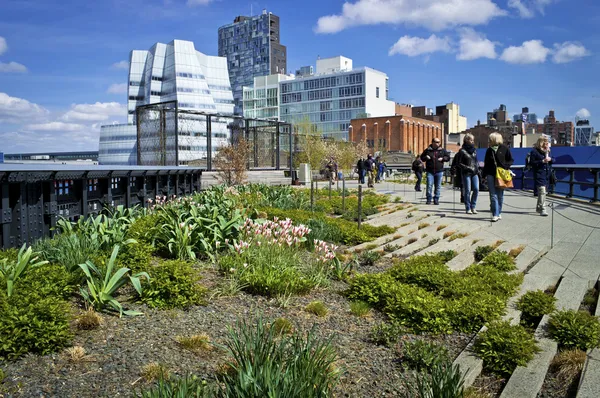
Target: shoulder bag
503, 176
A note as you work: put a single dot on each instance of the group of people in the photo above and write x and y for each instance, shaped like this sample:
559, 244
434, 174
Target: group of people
374, 169
468, 173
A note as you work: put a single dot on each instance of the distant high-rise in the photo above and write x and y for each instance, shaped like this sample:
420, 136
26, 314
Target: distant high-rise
252, 47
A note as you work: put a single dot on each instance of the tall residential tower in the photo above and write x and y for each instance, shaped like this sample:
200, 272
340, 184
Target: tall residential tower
252, 48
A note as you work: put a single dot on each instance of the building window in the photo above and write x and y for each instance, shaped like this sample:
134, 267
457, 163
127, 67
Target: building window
377, 92
93, 185
114, 183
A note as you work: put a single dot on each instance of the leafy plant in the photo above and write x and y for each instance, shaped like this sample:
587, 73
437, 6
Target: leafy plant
574, 329
12, 271
360, 308
177, 387
282, 326
391, 248
423, 355
499, 260
387, 333
482, 251
102, 284
68, 250
368, 257
534, 305
503, 347
173, 284
444, 380
261, 365
317, 308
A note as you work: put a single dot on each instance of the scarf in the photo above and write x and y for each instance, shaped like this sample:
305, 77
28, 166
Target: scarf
470, 148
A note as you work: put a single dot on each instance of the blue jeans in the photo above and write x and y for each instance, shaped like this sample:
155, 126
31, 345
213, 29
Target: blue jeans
419, 175
434, 178
361, 176
471, 190
496, 196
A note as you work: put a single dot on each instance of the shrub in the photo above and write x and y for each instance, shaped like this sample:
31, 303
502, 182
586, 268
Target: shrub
68, 250
568, 364
317, 308
387, 334
360, 308
534, 305
32, 323
443, 380
197, 343
423, 355
136, 256
368, 258
428, 272
371, 288
282, 326
482, 251
50, 280
500, 260
173, 284
89, 320
291, 366
186, 387
503, 347
574, 329
142, 229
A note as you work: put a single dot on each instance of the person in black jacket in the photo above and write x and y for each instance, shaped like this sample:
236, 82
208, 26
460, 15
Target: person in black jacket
418, 168
468, 169
497, 155
434, 157
541, 162
360, 169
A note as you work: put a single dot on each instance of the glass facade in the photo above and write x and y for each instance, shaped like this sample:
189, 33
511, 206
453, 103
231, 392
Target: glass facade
170, 72
252, 48
261, 101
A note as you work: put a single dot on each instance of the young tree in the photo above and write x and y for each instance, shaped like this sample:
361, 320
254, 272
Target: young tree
231, 162
312, 149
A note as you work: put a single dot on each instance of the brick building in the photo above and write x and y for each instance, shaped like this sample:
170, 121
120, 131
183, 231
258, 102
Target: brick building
395, 133
563, 133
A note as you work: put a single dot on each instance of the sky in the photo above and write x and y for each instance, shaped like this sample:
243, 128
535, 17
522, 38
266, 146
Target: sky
63, 64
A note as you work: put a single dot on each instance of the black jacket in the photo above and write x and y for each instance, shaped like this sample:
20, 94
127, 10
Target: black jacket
541, 170
502, 156
433, 165
417, 166
360, 165
465, 163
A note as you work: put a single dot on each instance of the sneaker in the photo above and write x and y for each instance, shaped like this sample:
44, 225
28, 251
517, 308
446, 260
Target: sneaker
469, 212
543, 213
474, 211
428, 202
499, 216
495, 218
435, 202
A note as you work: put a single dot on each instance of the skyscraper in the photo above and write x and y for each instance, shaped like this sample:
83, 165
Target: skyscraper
252, 48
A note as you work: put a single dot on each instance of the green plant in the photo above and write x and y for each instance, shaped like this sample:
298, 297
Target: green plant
458, 236
534, 305
102, 284
32, 323
433, 241
89, 320
574, 329
499, 260
423, 225
282, 326
368, 258
482, 251
503, 347
295, 366
173, 284
317, 308
444, 380
198, 343
591, 297
136, 256
391, 248
11, 271
178, 387
387, 333
423, 355
68, 250
568, 364
360, 308
397, 199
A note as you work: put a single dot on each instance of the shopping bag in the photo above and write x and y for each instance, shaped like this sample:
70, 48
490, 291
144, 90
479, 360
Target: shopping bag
503, 178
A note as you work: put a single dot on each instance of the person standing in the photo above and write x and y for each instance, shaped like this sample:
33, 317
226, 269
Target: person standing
418, 167
468, 169
381, 170
497, 155
360, 168
370, 166
434, 157
541, 164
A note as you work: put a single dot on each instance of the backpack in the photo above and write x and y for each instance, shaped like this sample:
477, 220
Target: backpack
528, 161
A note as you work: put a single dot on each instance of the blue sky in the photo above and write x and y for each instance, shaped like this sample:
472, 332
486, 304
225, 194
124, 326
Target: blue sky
62, 74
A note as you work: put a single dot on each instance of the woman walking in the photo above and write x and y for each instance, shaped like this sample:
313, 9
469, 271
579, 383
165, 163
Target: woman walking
497, 156
541, 162
468, 168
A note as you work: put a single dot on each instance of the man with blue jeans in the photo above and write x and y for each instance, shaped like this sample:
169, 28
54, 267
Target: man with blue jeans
434, 158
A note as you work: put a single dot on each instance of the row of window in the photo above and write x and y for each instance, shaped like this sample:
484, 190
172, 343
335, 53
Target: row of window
316, 95
381, 143
157, 93
325, 82
136, 98
104, 138
320, 94
135, 83
157, 78
192, 90
216, 87
202, 134
196, 106
352, 103
116, 151
223, 101
190, 75
353, 91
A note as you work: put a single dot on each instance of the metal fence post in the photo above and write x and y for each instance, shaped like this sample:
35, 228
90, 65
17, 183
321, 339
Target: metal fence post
552, 233
343, 195
359, 205
330, 184
312, 195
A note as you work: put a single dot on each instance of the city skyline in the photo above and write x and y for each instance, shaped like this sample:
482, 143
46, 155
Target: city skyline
63, 68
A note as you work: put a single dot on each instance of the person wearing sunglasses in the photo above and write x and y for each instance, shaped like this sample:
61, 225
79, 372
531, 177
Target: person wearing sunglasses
434, 158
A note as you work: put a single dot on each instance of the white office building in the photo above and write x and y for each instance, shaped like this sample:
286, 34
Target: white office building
172, 72
335, 94
261, 101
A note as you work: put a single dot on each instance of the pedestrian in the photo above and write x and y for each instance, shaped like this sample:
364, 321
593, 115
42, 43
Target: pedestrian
541, 164
418, 168
377, 163
434, 157
381, 170
468, 168
497, 156
370, 171
360, 169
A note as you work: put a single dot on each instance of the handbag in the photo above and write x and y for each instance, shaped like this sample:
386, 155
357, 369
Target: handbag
503, 176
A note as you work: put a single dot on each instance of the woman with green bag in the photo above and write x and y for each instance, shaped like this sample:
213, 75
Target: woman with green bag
497, 163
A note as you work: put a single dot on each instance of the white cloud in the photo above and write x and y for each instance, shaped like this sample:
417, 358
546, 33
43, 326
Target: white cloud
432, 14
413, 46
50, 141
528, 8
530, 52
475, 45
568, 51
12, 67
193, 3
97, 112
55, 126
3, 45
117, 88
121, 65
524, 11
583, 113
17, 110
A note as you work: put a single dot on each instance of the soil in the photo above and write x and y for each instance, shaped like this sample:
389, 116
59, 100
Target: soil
488, 384
117, 351
556, 387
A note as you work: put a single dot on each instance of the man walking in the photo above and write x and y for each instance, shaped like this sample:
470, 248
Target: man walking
360, 168
418, 167
434, 157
